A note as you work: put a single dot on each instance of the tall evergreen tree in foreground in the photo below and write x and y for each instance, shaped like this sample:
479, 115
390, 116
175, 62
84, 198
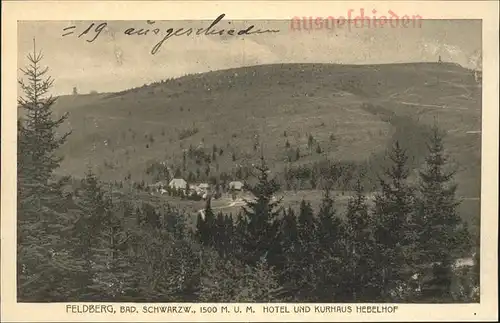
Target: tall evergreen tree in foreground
206, 229
41, 209
90, 250
287, 264
443, 237
393, 228
119, 271
359, 267
331, 241
304, 260
261, 218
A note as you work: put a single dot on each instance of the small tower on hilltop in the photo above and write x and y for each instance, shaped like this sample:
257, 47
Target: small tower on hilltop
439, 59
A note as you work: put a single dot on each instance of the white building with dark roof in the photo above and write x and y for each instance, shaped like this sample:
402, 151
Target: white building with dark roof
178, 183
236, 185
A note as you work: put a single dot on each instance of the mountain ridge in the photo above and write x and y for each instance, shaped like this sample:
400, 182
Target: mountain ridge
236, 107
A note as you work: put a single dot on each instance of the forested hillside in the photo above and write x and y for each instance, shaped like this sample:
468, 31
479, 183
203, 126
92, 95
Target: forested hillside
79, 241
214, 124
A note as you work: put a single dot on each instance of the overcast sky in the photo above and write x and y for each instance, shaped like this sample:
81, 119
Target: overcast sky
115, 61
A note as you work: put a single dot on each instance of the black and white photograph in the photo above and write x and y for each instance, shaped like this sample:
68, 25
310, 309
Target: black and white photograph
326, 160
269, 167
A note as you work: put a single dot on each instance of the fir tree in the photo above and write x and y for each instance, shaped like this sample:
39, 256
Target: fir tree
287, 264
313, 179
87, 239
443, 237
305, 260
115, 257
393, 230
329, 251
139, 217
210, 224
165, 268
229, 235
42, 207
307, 225
358, 269
289, 238
259, 284
221, 279
310, 141
201, 231
329, 224
174, 222
220, 234
151, 216
262, 225
239, 237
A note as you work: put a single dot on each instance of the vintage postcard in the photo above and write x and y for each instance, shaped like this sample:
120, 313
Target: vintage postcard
249, 161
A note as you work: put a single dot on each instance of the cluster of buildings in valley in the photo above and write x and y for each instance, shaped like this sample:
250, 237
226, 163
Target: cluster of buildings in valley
203, 190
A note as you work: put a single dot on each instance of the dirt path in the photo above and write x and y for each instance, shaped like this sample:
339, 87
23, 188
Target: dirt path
369, 196
231, 204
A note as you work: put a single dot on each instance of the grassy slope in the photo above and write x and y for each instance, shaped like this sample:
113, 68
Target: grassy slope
230, 108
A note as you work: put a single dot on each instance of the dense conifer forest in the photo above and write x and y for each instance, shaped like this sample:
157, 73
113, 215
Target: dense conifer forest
79, 242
